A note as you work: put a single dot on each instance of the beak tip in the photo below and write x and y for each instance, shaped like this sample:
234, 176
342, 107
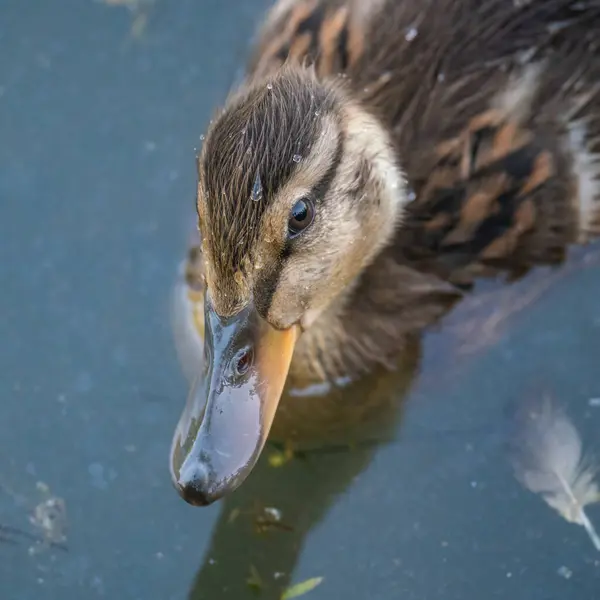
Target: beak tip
193, 484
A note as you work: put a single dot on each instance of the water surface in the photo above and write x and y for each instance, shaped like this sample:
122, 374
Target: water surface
101, 108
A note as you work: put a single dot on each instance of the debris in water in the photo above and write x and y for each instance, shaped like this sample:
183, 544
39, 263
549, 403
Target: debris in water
273, 513
299, 589
270, 519
565, 572
279, 459
140, 11
254, 581
50, 517
548, 460
233, 515
5, 532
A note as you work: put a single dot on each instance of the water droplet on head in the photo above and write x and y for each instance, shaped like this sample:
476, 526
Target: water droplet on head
441, 77
317, 113
269, 86
257, 190
384, 78
202, 137
411, 34
411, 195
296, 158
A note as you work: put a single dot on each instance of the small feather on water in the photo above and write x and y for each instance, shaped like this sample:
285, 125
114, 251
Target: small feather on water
547, 456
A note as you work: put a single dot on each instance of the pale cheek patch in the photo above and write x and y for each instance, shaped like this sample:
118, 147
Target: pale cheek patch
369, 140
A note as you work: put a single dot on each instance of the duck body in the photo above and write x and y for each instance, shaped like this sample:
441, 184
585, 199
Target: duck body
381, 156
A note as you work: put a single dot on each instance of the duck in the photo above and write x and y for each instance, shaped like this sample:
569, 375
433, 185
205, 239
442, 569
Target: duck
378, 159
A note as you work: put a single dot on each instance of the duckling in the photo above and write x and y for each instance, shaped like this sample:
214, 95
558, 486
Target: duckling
380, 157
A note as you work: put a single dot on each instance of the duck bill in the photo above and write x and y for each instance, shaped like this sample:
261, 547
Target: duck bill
232, 404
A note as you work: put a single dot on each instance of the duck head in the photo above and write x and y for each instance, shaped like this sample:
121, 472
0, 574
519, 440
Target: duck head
298, 191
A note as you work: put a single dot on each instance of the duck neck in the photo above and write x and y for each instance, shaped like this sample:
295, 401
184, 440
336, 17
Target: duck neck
372, 321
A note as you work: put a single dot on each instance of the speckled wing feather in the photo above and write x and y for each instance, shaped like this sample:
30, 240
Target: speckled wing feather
493, 202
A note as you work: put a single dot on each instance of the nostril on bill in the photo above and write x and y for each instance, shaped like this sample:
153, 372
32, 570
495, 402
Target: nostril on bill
242, 361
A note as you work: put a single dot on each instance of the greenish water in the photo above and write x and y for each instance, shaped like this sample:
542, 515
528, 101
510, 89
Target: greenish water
101, 108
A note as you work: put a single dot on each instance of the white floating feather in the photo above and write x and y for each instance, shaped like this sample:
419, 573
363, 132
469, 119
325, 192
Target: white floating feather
548, 460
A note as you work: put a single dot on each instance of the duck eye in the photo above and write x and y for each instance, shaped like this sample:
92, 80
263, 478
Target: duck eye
301, 216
